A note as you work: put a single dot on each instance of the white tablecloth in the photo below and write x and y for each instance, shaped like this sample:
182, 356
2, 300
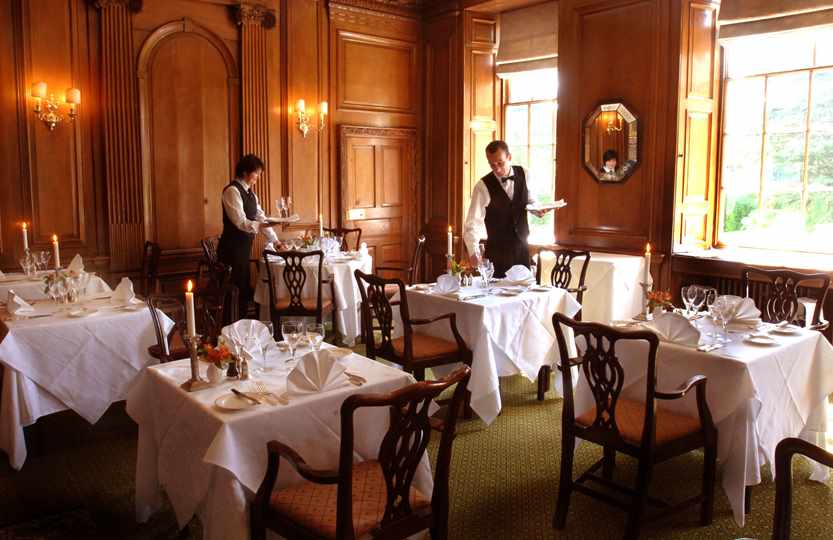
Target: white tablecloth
32, 289
758, 395
507, 335
347, 295
56, 363
210, 463
612, 280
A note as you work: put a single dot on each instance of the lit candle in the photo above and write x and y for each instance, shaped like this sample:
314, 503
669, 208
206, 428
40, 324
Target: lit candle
449, 251
300, 106
320, 225
25, 236
56, 251
647, 277
325, 108
189, 310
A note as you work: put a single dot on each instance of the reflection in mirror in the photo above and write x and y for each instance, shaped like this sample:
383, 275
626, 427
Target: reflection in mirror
611, 142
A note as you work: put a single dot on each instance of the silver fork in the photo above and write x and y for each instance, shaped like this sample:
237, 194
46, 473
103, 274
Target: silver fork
260, 388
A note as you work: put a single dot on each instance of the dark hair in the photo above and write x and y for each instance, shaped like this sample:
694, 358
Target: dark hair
494, 146
247, 165
610, 154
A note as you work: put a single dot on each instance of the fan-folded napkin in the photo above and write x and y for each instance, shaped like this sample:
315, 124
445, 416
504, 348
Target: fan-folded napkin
124, 292
674, 328
15, 304
245, 330
316, 372
519, 274
447, 285
744, 314
76, 266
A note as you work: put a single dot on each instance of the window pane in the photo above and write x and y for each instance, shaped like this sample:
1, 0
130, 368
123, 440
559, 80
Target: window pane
542, 124
786, 99
744, 109
820, 160
821, 116
541, 171
820, 212
824, 47
769, 54
737, 208
784, 161
517, 128
534, 85
741, 163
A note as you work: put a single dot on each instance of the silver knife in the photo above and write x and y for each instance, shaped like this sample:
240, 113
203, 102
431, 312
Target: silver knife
237, 392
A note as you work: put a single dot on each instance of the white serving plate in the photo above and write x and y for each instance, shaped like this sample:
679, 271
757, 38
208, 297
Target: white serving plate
788, 330
80, 313
233, 403
760, 340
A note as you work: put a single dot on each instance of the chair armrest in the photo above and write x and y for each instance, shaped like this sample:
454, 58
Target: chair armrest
583, 288
685, 388
452, 322
570, 364
819, 327
276, 448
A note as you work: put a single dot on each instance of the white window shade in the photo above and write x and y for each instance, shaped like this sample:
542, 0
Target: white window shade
741, 18
528, 39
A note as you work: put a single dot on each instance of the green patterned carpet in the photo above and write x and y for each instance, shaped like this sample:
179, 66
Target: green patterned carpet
79, 484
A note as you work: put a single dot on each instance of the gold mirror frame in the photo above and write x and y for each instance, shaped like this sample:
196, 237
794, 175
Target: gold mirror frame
611, 130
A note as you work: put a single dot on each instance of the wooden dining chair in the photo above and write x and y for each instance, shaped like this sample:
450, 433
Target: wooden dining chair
561, 276
414, 351
784, 453
169, 345
374, 498
408, 270
209, 249
294, 303
618, 424
344, 233
220, 307
782, 290
150, 268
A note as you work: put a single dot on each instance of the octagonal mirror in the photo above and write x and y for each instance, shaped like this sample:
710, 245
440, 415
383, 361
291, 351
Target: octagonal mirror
611, 142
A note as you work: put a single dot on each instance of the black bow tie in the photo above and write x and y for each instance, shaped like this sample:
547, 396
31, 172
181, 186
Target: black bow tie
504, 180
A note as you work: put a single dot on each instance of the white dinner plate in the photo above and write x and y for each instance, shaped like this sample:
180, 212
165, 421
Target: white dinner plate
789, 330
81, 312
760, 340
508, 292
132, 307
540, 288
232, 403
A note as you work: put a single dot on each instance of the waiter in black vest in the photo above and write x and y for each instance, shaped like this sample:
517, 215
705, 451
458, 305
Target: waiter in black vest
243, 218
498, 212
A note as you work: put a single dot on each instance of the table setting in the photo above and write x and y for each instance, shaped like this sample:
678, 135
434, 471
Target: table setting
80, 355
507, 323
206, 449
38, 283
766, 381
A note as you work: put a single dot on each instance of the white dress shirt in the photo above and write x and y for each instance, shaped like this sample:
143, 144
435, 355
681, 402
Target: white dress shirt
233, 205
474, 228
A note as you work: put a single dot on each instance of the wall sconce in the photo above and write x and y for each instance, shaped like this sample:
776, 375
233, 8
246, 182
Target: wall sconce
611, 127
47, 106
303, 118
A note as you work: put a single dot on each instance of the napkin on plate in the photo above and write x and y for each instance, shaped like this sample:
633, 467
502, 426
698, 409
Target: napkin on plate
519, 274
316, 372
744, 314
447, 285
76, 266
124, 292
674, 328
15, 304
250, 332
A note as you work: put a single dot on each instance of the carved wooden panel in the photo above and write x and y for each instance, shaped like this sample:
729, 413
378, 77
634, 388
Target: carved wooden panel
362, 81
378, 166
484, 31
188, 92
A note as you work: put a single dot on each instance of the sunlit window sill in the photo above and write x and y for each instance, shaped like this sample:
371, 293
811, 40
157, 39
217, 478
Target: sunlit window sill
764, 257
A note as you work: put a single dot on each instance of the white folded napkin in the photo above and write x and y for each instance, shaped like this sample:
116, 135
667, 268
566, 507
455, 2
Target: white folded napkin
744, 314
250, 333
363, 249
124, 292
447, 284
316, 372
76, 266
519, 274
674, 328
15, 304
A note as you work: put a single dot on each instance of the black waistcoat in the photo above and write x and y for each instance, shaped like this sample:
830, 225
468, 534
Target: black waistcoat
235, 245
507, 228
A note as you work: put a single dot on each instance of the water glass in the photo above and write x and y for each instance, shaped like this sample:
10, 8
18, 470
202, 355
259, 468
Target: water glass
487, 270
315, 335
686, 302
292, 332
265, 345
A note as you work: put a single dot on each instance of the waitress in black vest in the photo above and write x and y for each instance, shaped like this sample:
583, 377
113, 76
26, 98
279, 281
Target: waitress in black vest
498, 212
243, 218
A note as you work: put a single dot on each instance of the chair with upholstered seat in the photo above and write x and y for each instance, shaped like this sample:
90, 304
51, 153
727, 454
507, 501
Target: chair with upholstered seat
374, 498
414, 351
561, 276
294, 303
344, 233
169, 345
783, 288
407, 270
784, 453
639, 429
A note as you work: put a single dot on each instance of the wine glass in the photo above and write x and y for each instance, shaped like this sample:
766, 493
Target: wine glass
315, 335
291, 331
684, 292
696, 301
45, 256
487, 270
288, 206
265, 344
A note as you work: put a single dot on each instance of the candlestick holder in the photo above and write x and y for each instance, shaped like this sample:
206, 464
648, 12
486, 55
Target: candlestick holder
646, 314
449, 257
195, 382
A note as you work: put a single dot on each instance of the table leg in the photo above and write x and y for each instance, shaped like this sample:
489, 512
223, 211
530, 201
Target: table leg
747, 500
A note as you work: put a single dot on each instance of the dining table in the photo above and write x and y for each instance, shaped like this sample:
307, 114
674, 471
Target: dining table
338, 267
209, 461
760, 390
82, 357
508, 328
32, 287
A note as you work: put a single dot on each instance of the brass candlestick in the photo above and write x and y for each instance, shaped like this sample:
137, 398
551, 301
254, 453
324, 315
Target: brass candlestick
195, 382
646, 314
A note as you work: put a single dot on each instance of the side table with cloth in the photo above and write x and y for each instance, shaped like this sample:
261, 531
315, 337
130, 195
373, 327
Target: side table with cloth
32, 288
506, 334
347, 295
613, 289
58, 362
210, 463
757, 394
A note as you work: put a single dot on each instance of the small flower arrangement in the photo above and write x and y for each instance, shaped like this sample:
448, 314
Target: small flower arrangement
459, 267
659, 299
55, 279
307, 240
217, 355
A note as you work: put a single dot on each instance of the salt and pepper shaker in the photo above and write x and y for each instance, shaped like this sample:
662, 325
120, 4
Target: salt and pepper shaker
244, 368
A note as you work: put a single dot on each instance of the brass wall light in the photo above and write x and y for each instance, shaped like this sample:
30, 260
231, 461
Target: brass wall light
47, 106
303, 118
